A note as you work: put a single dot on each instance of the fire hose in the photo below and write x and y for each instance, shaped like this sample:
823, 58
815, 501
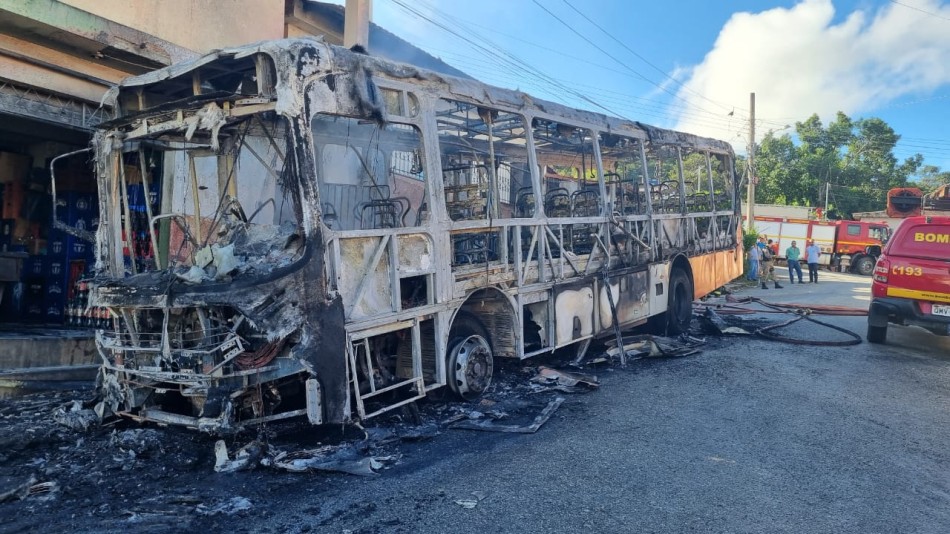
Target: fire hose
817, 310
801, 312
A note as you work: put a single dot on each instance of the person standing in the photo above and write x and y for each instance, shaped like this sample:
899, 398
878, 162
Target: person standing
792, 256
812, 253
755, 254
767, 271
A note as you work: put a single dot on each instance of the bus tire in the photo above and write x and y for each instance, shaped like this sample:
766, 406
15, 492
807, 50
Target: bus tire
877, 334
679, 308
864, 265
470, 361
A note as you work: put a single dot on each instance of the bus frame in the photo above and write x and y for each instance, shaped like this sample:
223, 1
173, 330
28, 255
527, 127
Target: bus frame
402, 253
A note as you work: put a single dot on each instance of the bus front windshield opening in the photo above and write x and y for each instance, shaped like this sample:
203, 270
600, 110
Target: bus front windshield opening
215, 211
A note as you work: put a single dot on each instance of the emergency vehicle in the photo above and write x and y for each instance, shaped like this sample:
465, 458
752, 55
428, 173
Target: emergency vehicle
849, 245
911, 284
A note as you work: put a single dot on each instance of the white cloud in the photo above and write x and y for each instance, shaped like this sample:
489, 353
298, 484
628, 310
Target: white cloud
800, 61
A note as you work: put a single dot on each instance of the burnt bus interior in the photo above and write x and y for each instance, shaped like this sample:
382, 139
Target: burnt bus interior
199, 191
220, 209
494, 206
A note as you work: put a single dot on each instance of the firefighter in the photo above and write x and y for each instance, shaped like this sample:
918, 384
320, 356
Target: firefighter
767, 263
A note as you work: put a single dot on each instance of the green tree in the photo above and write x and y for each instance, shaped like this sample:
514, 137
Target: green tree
855, 157
929, 178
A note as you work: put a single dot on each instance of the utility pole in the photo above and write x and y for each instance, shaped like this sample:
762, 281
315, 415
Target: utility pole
356, 20
750, 201
827, 194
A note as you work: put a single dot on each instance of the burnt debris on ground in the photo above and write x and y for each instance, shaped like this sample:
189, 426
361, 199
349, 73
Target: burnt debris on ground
60, 465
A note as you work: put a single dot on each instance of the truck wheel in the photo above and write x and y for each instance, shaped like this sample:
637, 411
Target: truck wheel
470, 363
864, 266
877, 334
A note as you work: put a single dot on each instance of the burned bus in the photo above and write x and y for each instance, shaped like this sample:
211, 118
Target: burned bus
294, 229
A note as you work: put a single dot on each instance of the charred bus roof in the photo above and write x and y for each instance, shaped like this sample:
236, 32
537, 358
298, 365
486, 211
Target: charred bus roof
280, 70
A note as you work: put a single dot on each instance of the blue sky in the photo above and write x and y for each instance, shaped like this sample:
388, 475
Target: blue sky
688, 64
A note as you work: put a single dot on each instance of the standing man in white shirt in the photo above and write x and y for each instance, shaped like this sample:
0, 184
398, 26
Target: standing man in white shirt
812, 253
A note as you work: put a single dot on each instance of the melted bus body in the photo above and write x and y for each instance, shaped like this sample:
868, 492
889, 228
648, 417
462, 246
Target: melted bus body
330, 235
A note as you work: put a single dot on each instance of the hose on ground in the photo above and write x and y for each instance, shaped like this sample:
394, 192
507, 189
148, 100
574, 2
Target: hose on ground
801, 311
767, 333
817, 310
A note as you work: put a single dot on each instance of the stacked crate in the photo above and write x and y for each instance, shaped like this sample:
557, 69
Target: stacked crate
68, 258
56, 260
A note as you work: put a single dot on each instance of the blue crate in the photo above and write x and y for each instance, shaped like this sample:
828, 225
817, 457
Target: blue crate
34, 312
79, 221
137, 198
56, 267
56, 287
77, 248
34, 289
82, 203
56, 244
54, 309
34, 266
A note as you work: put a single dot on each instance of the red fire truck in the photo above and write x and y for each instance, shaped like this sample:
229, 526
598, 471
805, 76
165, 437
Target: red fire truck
846, 245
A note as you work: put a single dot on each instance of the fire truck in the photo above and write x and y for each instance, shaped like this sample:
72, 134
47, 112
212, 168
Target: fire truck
845, 245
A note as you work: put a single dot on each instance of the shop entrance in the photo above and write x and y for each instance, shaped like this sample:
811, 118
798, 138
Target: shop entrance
46, 330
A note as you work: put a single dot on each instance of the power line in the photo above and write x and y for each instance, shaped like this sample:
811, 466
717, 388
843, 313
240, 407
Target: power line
510, 63
505, 57
641, 58
672, 105
525, 67
935, 15
606, 53
648, 107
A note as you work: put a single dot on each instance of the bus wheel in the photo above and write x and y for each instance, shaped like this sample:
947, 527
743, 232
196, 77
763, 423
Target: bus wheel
470, 363
864, 266
680, 308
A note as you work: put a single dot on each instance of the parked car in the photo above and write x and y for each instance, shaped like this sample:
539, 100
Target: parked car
911, 284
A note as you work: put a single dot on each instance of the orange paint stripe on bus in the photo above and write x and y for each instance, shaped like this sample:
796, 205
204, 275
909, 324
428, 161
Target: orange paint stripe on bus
919, 295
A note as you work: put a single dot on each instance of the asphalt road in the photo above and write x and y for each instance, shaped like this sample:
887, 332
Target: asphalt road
748, 436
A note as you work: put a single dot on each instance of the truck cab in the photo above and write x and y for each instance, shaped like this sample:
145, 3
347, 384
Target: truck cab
858, 245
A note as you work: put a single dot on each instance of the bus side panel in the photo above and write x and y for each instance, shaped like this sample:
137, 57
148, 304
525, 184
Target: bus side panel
630, 298
659, 285
711, 271
573, 313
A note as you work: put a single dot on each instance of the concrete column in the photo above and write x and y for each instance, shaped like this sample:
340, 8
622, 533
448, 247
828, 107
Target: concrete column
356, 25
